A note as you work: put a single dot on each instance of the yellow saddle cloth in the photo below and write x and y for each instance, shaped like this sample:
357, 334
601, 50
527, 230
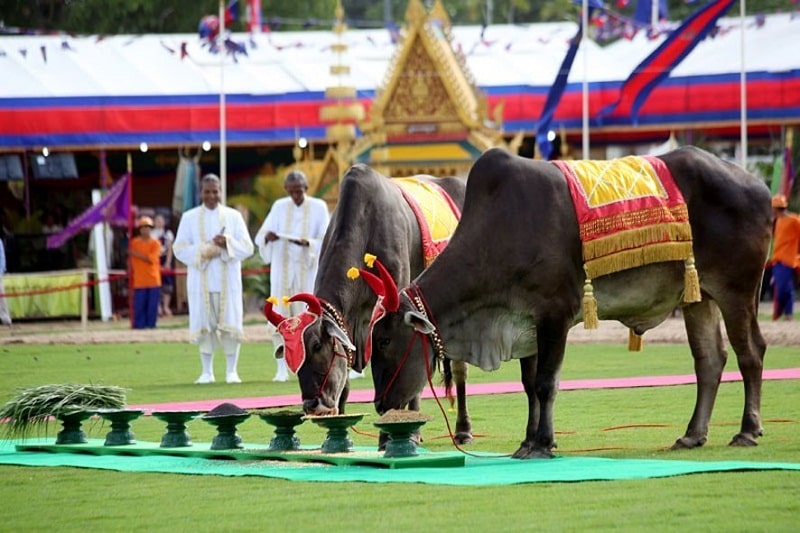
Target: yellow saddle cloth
630, 212
436, 213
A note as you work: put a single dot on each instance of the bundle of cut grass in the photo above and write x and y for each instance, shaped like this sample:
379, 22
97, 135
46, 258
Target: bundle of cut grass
34, 406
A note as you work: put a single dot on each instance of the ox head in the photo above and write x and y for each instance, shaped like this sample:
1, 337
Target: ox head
315, 349
394, 345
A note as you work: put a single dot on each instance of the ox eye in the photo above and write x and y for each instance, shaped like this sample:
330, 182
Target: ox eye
384, 343
317, 346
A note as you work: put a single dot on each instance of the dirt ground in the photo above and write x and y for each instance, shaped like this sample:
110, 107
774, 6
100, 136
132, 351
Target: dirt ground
172, 329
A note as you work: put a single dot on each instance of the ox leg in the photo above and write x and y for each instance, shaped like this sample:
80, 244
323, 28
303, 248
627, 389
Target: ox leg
343, 398
463, 422
540, 380
528, 377
745, 337
705, 341
414, 405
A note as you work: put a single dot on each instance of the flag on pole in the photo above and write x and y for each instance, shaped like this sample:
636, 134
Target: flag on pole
232, 12
657, 66
114, 209
644, 11
543, 144
105, 175
788, 167
254, 16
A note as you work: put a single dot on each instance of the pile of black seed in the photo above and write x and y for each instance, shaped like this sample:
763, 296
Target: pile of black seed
225, 409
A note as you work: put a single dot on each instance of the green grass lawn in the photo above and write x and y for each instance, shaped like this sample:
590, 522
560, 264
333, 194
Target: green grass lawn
622, 423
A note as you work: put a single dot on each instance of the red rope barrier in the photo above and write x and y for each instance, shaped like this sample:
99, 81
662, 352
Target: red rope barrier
70, 287
115, 277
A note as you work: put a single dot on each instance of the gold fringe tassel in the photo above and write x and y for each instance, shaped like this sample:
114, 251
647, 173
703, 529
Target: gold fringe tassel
655, 253
636, 238
691, 282
590, 320
635, 341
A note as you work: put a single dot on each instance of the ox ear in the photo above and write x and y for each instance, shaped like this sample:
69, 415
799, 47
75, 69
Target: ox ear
419, 322
333, 329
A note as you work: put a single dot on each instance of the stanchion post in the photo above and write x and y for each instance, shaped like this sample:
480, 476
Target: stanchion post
85, 299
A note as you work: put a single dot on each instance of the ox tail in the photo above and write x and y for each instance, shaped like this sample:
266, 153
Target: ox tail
447, 376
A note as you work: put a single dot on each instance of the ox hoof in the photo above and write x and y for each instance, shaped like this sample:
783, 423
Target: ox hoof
463, 437
528, 451
743, 440
687, 443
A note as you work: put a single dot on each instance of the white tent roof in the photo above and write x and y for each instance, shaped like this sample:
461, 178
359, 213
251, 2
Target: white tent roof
46, 66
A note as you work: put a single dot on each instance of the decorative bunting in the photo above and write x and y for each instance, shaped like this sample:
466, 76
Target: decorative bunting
657, 66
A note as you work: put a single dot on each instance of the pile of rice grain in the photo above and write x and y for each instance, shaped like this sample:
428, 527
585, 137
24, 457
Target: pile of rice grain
394, 416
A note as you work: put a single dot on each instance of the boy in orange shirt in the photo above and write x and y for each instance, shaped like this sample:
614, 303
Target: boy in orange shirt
146, 270
785, 247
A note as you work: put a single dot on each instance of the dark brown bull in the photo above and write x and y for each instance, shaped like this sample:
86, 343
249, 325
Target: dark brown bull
510, 284
371, 216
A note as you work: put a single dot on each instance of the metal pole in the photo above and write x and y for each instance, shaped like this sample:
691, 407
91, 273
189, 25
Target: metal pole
743, 86
654, 16
223, 156
585, 87
130, 237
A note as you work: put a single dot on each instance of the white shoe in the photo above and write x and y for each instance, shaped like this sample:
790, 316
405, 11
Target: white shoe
204, 379
280, 377
356, 375
233, 378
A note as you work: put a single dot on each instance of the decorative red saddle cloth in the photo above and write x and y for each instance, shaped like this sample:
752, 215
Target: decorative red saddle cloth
436, 213
631, 213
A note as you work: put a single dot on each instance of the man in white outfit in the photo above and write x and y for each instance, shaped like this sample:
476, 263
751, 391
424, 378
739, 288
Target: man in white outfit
290, 240
212, 242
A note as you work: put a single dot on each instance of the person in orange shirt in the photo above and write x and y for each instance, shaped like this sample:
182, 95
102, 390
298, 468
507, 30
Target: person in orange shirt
785, 247
145, 252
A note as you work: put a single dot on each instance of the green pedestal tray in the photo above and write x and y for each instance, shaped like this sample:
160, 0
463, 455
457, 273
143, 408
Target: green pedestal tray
120, 419
226, 438
360, 456
401, 443
337, 440
176, 435
71, 423
284, 422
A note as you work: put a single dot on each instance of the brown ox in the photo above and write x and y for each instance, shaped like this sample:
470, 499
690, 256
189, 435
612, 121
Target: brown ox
371, 216
510, 285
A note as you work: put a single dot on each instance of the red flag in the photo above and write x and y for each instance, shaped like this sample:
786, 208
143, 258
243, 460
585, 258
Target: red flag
254, 16
231, 12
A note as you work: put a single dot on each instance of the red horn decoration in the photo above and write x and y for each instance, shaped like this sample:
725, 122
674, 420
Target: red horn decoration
375, 283
314, 306
273, 316
392, 297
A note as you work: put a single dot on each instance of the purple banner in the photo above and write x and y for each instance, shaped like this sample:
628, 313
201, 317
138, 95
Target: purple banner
113, 209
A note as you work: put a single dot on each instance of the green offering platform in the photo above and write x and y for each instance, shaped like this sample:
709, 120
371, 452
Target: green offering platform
360, 456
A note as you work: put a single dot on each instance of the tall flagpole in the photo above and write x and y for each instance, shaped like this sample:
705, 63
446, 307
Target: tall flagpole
130, 237
585, 86
654, 16
743, 86
223, 159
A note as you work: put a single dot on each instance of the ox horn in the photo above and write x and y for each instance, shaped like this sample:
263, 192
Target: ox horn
381, 286
273, 316
392, 297
314, 306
